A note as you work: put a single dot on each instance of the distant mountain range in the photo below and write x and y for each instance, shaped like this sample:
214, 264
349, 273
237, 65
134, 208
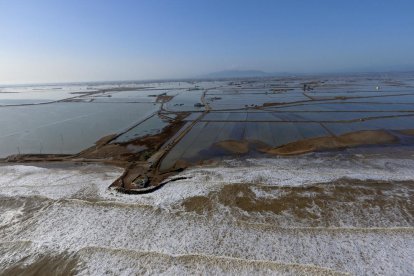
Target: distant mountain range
229, 74
237, 74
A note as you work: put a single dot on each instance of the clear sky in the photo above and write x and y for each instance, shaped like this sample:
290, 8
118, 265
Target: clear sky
81, 40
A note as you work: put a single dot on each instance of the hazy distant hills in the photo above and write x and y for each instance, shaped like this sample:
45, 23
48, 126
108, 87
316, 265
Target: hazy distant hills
237, 74
228, 74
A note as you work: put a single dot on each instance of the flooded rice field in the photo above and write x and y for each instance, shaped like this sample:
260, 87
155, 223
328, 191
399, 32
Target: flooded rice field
285, 176
272, 112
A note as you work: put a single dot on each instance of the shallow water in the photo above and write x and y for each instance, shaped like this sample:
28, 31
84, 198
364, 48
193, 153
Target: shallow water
272, 111
65, 127
152, 126
17, 95
197, 144
288, 114
68, 118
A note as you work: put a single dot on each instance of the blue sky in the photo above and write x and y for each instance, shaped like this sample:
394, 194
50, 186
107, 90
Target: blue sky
79, 40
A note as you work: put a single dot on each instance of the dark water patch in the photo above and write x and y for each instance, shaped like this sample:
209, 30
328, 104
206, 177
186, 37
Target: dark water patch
149, 127
44, 265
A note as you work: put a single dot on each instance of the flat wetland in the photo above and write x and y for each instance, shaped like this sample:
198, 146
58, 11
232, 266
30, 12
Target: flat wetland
279, 175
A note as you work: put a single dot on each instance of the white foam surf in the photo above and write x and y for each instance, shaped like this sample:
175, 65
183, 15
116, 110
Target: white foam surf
112, 232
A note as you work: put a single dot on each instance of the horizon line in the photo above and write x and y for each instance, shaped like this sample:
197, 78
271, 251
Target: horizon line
148, 80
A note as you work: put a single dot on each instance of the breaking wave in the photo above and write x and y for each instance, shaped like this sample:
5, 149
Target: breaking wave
339, 215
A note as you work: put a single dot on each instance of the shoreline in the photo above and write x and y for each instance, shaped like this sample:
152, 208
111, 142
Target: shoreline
143, 176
